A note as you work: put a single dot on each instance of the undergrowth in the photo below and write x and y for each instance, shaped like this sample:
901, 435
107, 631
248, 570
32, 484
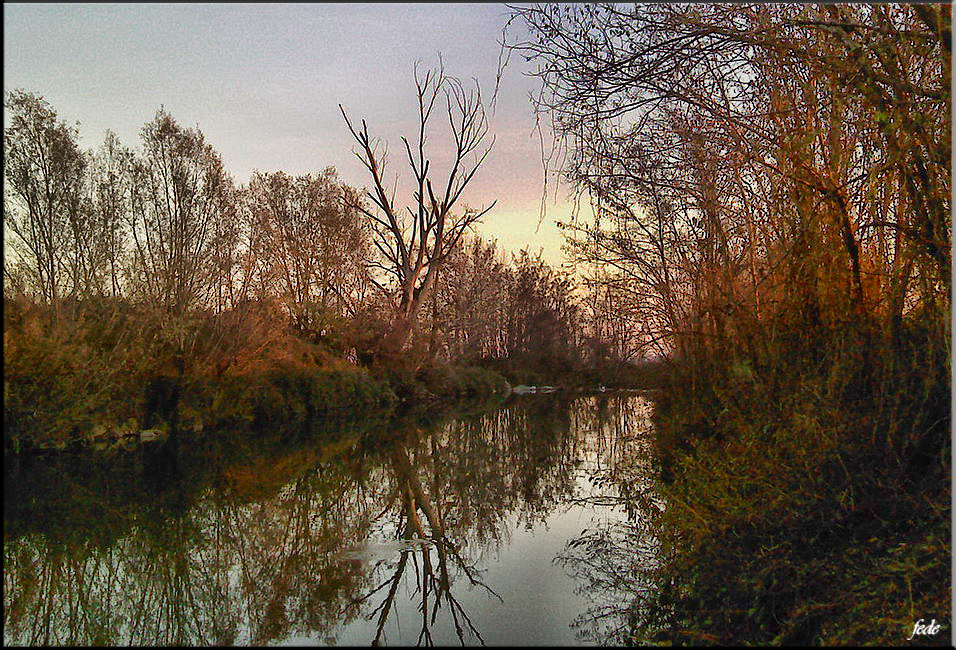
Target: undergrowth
103, 371
809, 502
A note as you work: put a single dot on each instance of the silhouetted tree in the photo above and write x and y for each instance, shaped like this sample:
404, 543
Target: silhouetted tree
774, 168
417, 241
110, 191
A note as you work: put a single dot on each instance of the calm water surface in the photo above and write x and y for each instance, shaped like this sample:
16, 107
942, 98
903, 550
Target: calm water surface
523, 525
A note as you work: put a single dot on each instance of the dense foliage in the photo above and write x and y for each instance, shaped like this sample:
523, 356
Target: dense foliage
772, 203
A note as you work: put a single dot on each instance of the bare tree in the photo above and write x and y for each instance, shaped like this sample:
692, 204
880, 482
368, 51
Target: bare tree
43, 171
416, 241
180, 192
755, 167
466, 310
109, 191
541, 322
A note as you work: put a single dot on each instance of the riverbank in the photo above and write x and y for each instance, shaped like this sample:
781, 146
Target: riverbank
106, 374
808, 503
104, 490
291, 398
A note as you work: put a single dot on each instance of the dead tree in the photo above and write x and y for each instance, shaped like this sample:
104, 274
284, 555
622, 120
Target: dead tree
416, 241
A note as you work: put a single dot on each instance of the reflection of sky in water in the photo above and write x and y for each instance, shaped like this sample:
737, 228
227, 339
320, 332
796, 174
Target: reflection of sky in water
513, 487
537, 596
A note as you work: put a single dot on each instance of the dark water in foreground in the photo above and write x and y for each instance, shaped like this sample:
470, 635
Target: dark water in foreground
506, 527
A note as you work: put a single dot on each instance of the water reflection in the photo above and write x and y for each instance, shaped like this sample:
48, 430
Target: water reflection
615, 563
229, 541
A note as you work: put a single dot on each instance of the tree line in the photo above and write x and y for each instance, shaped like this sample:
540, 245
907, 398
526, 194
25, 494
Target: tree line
164, 229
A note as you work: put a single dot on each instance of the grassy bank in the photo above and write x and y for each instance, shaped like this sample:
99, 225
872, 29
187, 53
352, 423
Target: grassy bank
809, 501
282, 398
106, 377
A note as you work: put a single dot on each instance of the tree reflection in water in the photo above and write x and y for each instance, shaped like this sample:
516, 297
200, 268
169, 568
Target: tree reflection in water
433, 577
260, 546
455, 487
614, 564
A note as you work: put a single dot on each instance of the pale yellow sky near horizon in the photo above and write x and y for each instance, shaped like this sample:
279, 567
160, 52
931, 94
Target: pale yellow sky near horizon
263, 83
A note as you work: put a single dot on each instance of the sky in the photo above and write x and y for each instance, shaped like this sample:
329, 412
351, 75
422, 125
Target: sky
263, 83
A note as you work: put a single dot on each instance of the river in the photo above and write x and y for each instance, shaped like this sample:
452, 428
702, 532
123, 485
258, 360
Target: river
524, 525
